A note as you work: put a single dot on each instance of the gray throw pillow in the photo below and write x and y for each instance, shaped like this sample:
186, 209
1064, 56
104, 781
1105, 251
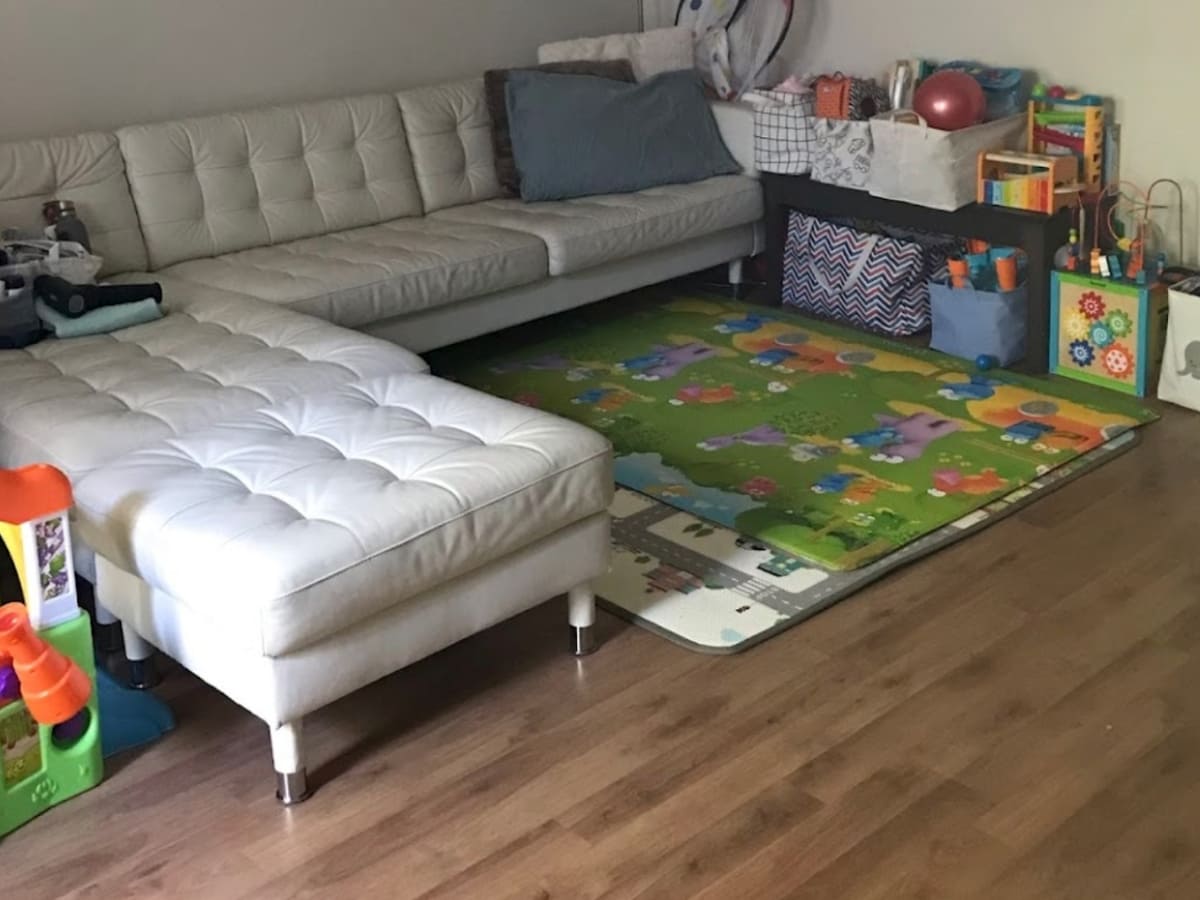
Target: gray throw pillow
575, 136
495, 82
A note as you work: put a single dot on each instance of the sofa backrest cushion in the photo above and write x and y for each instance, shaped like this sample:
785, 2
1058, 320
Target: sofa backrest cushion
86, 169
215, 185
450, 135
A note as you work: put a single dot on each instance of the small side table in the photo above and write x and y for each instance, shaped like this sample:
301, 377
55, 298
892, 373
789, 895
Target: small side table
1038, 235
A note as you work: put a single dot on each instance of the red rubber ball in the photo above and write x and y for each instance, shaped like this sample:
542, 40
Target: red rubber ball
950, 100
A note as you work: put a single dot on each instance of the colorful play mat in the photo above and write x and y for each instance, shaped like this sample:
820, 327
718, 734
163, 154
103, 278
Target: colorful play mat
832, 445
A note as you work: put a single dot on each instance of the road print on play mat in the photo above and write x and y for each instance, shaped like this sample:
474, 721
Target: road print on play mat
714, 591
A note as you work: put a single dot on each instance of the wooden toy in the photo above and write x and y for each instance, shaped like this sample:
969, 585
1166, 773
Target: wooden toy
49, 706
1030, 181
1073, 123
1106, 332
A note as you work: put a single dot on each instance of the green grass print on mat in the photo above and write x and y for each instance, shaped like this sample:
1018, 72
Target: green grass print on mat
835, 445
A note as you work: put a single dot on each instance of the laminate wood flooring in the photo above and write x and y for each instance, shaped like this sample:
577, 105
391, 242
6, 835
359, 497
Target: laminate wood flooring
1015, 717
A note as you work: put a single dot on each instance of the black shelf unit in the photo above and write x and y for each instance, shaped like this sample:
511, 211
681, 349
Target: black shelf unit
1039, 236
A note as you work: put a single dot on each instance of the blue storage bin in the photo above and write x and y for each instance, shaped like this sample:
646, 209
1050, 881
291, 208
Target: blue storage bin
970, 323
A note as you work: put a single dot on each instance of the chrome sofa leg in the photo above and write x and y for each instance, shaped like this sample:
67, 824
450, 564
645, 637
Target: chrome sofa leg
140, 655
581, 613
287, 753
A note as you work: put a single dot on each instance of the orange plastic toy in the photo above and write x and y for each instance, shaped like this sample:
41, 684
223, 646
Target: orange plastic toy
53, 686
32, 492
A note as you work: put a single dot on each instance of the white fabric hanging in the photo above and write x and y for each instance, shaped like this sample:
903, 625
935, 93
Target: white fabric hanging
735, 39
755, 36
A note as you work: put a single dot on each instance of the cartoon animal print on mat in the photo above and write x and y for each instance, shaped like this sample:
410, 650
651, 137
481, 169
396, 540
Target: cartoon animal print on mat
751, 323
775, 357
697, 393
762, 436
606, 398
952, 481
978, 388
856, 486
902, 440
805, 452
666, 362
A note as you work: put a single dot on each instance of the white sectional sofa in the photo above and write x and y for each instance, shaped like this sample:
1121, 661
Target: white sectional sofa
291, 508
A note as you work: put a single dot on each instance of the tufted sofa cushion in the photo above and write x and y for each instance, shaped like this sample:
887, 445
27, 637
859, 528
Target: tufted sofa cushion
291, 523
86, 169
594, 230
449, 132
366, 275
215, 185
80, 403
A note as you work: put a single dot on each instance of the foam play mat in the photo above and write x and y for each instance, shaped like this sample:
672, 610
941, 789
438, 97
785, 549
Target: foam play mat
833, 446
711, 590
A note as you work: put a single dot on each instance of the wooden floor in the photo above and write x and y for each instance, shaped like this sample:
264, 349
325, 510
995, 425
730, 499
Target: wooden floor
1016, 717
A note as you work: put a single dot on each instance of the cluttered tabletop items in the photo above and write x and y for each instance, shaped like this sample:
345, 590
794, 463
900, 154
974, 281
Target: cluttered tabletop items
49, 288
962, 136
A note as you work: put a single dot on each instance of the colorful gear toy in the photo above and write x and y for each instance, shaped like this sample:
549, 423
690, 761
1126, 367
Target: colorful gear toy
1118, 361
1100, 334
1092, 305
1082, 354
1120, 323
1076, 325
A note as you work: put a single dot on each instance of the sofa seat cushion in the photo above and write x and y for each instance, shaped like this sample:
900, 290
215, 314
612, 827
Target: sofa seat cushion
590, 231
289, 524
358, 277
80, 403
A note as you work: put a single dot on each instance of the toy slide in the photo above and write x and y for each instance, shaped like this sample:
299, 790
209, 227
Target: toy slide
49, 721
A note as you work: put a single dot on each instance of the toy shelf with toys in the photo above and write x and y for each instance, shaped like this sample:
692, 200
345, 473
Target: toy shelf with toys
49, 706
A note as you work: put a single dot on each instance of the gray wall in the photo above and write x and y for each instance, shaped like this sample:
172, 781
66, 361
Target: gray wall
73, 65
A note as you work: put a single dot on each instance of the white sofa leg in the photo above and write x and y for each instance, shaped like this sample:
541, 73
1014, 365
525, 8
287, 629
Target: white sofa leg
287, 753
737, 271
140, 654
104, 615
581, 613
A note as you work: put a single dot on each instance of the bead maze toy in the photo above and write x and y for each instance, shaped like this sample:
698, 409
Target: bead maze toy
1108, 321
1029, 181
49, 713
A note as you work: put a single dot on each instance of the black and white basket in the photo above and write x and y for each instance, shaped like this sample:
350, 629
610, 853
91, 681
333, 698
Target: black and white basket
784, 137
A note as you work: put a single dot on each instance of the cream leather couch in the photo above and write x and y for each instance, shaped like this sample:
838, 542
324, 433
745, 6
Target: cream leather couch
291, 508
383, 213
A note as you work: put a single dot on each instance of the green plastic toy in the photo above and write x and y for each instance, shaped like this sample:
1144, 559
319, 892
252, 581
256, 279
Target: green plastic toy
45, 765
49, 706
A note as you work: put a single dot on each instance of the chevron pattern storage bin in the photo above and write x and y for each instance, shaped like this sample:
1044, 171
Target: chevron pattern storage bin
868, 280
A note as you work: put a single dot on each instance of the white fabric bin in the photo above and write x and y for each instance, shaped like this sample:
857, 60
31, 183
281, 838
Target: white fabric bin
1179, 381
783, 131
918, 164
843, 153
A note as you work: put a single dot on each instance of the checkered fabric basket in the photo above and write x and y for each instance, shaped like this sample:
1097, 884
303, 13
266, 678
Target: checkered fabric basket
784, 138
869, 280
